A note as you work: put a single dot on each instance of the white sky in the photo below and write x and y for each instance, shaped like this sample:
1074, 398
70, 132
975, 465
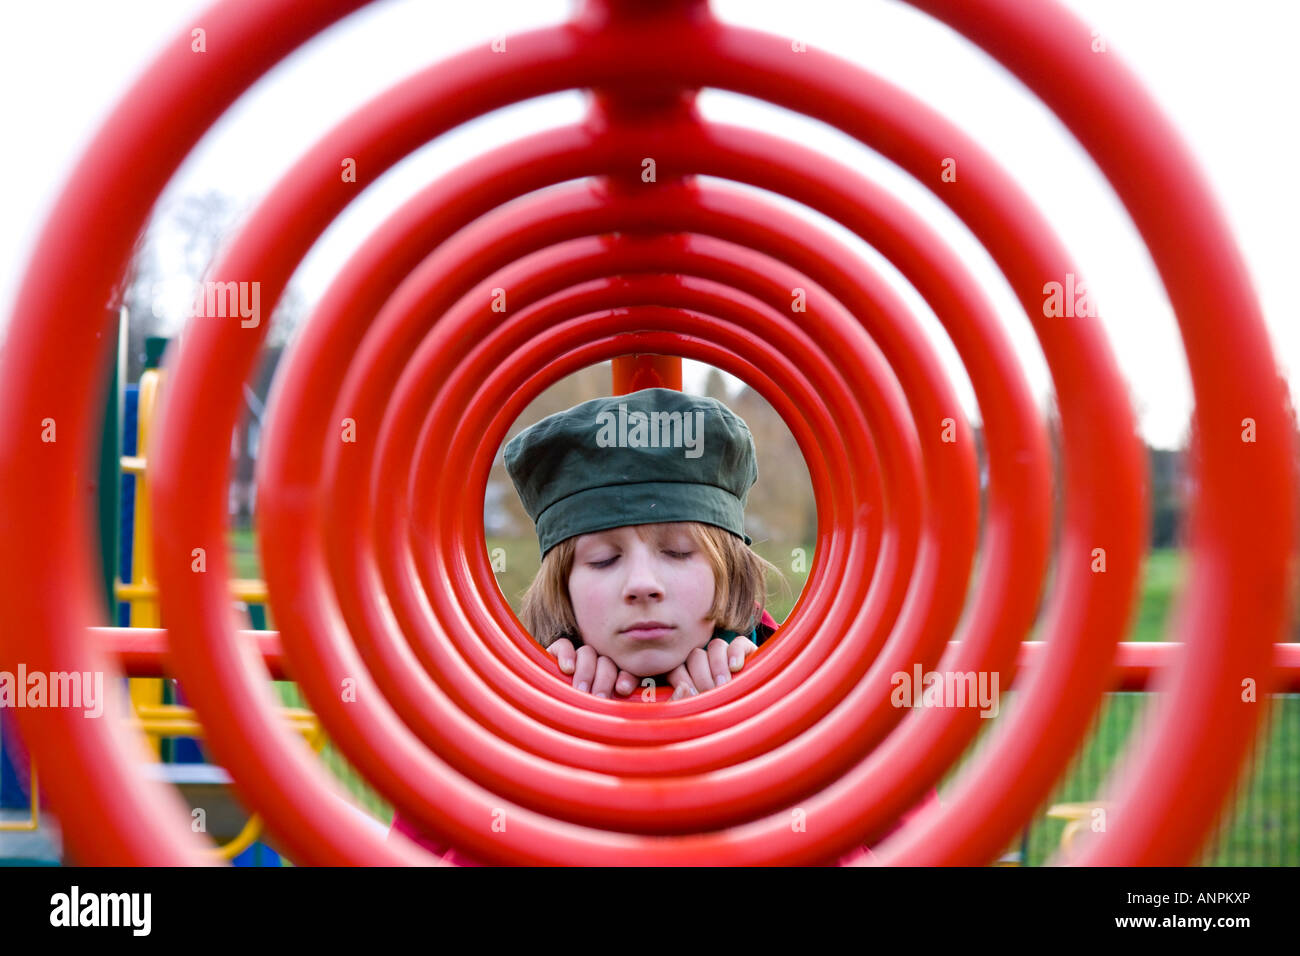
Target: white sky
1228, 80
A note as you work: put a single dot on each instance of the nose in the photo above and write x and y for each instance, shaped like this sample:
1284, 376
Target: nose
642, 581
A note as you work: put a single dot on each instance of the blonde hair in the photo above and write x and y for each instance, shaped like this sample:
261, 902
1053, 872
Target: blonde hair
739, 576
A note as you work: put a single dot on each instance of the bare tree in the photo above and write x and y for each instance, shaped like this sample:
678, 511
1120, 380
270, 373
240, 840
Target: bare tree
178, 247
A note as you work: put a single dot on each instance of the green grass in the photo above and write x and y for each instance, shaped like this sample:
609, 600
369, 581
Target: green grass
1163, 572
244, 559
1263, 828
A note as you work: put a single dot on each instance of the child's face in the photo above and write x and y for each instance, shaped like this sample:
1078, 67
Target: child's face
619, 580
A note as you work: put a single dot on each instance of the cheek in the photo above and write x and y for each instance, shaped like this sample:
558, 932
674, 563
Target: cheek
590, 600
694, 584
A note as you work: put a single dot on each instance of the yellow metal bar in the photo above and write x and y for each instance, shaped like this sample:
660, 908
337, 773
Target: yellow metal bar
244, 589
246, 838
170, 720
1079, 816
145, 612
178, 712
160, 727
249, 589
253, 828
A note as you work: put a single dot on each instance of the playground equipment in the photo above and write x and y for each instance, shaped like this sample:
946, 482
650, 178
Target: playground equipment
392, 406
139, 599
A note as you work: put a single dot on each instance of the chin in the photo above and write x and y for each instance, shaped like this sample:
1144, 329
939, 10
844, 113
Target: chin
648, 662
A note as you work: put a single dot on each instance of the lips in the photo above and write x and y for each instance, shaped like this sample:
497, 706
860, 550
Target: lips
647, 630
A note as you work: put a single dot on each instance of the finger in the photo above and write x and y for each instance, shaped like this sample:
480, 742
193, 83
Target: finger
697, 665
739, 652
585, 671
681, 683
562, 650
718, 667
606, 673
626, 683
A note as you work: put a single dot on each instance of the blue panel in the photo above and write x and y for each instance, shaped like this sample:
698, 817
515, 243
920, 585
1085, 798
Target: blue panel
259, 854
12, 795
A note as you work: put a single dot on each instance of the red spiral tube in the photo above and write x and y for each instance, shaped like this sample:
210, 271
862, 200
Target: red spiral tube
807, 726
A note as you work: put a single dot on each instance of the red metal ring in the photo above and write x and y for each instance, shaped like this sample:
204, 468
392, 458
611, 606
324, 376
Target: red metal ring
1237, 598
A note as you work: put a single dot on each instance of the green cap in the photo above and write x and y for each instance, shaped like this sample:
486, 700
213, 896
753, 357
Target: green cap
652, 456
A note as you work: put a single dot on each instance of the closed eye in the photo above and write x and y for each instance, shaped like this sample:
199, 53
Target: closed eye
676, 555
